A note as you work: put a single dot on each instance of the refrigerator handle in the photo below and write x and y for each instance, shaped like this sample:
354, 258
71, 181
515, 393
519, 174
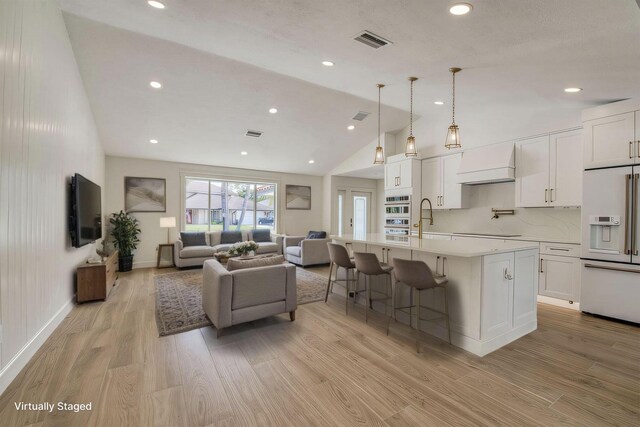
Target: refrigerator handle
603, 267
627, 213
634, 223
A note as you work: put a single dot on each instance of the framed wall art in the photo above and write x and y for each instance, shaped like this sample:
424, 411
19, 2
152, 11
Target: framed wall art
145, 194
298, 197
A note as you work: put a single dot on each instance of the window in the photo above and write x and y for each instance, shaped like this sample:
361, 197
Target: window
212, 205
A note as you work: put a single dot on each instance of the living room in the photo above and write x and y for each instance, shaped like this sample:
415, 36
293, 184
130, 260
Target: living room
436, 192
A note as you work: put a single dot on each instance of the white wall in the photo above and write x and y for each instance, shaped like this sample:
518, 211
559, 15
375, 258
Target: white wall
292, 222
550, 223
47, 133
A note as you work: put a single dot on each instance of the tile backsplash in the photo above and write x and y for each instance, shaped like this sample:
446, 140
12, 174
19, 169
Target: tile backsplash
546, 223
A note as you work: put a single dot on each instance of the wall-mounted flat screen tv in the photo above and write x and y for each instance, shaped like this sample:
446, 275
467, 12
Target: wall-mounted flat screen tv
86, 211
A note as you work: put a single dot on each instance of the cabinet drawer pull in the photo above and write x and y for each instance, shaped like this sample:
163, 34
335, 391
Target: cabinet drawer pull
551, 195
631, 149
545, 195
541, 270
559, 249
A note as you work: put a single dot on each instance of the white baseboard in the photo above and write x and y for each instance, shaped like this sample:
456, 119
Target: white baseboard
20, 360
559, 302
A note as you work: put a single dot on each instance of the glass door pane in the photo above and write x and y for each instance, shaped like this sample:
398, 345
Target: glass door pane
360, 216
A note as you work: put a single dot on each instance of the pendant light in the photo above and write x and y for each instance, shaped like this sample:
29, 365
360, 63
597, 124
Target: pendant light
453, 134
410, 150
379, 159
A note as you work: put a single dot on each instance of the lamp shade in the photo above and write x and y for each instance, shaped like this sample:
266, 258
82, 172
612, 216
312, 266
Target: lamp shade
168, 222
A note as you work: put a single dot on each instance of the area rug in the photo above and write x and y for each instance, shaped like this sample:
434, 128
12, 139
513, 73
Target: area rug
179, 298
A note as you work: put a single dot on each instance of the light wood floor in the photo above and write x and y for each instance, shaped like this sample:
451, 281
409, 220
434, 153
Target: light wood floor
323, 369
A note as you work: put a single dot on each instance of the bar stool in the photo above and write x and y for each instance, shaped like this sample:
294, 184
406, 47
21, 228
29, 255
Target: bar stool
368, 264
340, 258
418, 276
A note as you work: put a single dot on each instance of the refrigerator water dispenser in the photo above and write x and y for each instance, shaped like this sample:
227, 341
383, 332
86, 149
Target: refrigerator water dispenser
605, 236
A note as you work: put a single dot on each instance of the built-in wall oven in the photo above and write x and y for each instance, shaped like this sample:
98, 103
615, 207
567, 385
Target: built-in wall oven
397, 215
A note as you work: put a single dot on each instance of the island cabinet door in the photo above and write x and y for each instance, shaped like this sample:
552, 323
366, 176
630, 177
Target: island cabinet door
525, 287
497, 295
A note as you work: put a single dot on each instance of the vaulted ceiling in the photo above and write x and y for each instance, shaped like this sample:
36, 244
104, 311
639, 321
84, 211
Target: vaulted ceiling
224, 64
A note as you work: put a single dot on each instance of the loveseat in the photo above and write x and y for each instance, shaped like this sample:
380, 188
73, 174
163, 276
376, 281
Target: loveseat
196, 248
239, 296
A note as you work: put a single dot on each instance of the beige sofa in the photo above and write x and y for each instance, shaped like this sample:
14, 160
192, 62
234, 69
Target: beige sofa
239, 296
302, 251
189, 256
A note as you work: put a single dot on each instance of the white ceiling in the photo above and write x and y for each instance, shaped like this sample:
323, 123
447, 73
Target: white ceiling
516, 57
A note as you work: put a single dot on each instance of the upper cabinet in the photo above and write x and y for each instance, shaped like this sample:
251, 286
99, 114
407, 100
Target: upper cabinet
440, 182
565, 169
401, 173
549, 170
612, 134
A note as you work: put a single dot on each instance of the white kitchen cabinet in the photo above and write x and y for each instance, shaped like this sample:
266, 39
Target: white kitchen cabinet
565, 170
525, 287
497, 295
637, 137
440, 182
431, 180
559, 277
451, 189
610, 141
391, 175
532, 172
549, 170
400, 174
509, 283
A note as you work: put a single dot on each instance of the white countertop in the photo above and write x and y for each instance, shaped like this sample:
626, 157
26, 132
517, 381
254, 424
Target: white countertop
466, 248
523, 238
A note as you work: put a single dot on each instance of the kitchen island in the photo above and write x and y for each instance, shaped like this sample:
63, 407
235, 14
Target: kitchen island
491, 290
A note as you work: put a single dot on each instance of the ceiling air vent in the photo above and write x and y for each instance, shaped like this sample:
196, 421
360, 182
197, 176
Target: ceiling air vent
253, 133
371, 40
361, 116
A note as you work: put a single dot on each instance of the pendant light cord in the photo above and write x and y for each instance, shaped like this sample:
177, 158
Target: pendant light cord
411, 113
453, 119
379, 89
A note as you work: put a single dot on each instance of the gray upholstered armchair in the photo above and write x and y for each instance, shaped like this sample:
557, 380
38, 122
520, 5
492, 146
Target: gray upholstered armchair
239, 296
303, 251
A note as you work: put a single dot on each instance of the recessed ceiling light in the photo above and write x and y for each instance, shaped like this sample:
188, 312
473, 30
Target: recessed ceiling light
273, 110
153, 141
328, 63
243, 153
460, 9
311, 162
156, 4
439, 102
351, 127
573, 89
155, 85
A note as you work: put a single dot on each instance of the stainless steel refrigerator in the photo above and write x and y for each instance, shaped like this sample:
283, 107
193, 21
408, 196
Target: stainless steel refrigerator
610, 242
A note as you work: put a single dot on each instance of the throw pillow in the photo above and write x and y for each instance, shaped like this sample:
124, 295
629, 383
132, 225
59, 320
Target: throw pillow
261, 235
238, 263
230, 237
317, 235
193, 238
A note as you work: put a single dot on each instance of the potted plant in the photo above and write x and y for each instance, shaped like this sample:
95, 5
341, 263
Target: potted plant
125, 238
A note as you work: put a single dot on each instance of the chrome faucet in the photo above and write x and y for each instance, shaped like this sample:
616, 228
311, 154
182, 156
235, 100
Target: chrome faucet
430, 218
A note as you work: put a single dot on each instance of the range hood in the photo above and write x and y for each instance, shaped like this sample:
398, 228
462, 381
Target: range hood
490, 164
